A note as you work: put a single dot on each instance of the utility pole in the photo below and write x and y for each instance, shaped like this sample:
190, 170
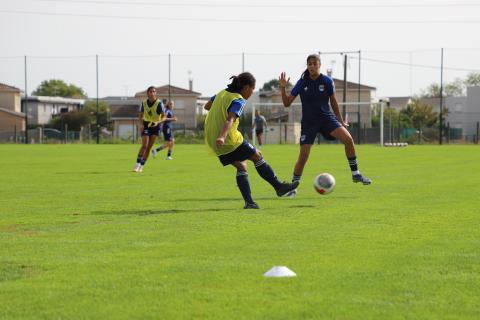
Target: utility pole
344, 99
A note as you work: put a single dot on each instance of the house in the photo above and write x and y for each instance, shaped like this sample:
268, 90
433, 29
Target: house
11, 118
41, 109
185, 103
124, 115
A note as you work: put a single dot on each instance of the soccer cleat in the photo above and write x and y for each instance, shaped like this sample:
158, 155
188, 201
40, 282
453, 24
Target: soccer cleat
140, 169
154, 153
292, 194
137, 167
168, 158
359, 178
286, 187
252, 205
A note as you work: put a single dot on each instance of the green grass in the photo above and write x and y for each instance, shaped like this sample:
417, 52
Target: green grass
81, 236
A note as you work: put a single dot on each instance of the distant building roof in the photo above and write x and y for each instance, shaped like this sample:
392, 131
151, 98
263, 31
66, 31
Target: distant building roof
18, 114
124, 112
56, 99
7, 87
174, 91
112, 100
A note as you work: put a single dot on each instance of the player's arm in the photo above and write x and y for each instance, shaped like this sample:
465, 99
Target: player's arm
336, 110
231, 117
140, 119
283, 82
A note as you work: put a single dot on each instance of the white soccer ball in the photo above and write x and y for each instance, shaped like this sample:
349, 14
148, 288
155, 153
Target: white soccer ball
324, 183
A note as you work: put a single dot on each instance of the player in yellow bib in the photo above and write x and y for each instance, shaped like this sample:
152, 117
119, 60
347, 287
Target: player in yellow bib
151, 115
223, 137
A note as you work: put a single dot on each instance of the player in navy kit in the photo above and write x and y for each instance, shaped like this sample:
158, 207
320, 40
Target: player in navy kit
317, 93
167, 130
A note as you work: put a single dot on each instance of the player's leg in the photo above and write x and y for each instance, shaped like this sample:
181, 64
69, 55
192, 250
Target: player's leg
170, 148
244, 185
140, 161
345, 137
259, 138
267, 173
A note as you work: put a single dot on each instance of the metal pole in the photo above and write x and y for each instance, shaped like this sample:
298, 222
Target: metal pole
26, 103
243, 61
478, 131
358, 107
344, 109
440, 139
381, 123
98, 125
169, 77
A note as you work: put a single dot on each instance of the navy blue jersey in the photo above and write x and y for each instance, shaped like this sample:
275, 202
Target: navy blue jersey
315, 96
236, 106
160, 107
168, 124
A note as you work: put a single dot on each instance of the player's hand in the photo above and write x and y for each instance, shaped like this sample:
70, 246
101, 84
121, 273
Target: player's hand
283, 81
220, 141
345, 124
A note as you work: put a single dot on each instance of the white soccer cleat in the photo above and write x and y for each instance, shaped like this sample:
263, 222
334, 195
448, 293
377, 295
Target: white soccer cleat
140, 169
137, 167
168, 158
154, 153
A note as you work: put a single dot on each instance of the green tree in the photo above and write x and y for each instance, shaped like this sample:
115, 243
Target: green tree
473, 79
420, 115
73, 119
58, 88
273, 84
90, 109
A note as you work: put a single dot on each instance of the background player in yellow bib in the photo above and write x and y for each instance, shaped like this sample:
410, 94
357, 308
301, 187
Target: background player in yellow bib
223, 137
151, 115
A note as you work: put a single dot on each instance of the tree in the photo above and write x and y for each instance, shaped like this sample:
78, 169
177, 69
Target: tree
273, 84
73, 119
420, 114
473, 79
58, 88
90, 109
455, 88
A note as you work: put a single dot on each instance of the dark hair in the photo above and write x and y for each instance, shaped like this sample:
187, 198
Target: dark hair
150, 88
240, 81
312, 56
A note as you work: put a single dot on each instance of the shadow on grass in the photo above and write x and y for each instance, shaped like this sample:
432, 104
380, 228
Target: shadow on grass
155, 212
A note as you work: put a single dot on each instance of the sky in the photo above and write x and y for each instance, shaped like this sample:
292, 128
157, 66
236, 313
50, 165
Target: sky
208, 41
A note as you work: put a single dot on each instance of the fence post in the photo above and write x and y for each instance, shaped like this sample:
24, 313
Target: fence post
478, 131
66, 132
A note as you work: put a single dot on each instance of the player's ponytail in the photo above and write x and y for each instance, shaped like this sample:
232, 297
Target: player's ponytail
240, 81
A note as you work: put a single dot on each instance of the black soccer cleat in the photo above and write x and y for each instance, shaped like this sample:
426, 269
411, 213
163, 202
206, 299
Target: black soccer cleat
285, 187
252, 205
359, 178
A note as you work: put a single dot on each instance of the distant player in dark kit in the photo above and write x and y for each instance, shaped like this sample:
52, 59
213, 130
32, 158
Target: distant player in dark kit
222, 136
317, 93
167, 129
258, 125
151, 116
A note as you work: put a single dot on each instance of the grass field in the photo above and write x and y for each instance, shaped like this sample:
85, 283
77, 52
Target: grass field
82, 237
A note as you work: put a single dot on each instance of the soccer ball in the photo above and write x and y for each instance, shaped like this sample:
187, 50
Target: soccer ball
324, 183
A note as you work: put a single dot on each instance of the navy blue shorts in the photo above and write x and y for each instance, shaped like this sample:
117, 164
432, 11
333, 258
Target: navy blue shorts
167, 134
324, 126
259, 131
242, 153
150, 131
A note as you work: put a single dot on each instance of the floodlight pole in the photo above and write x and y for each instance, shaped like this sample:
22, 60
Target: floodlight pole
26, 104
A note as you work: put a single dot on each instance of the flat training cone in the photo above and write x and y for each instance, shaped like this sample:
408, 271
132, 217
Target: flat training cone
279, 271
